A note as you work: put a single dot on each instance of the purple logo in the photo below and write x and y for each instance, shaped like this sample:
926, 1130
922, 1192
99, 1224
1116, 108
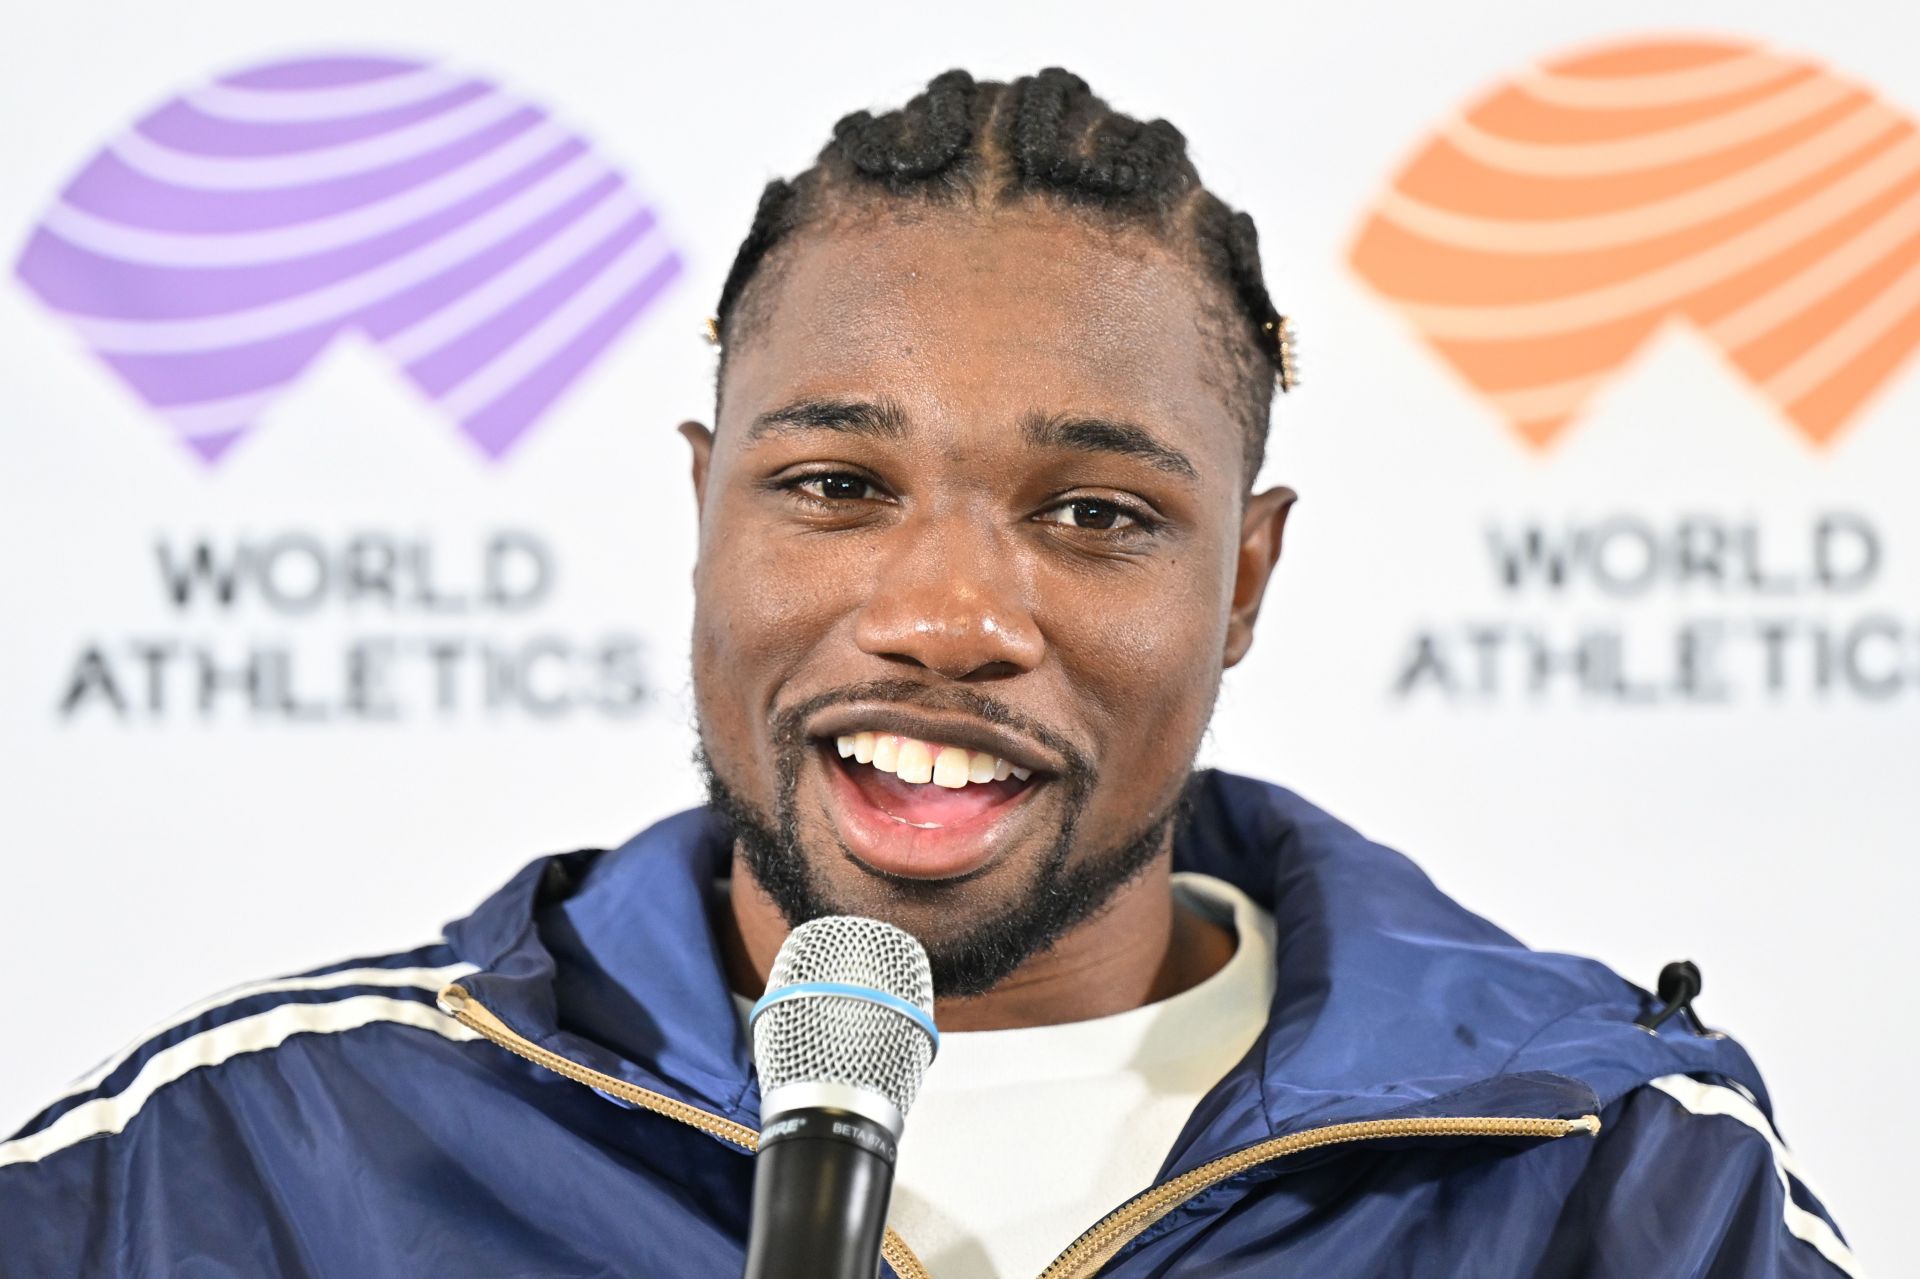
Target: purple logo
212, 251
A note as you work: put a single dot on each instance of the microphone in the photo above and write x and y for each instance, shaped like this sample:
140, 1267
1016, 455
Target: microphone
841, 1040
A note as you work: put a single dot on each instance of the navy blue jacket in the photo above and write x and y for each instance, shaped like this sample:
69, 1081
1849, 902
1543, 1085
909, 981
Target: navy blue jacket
562, 1087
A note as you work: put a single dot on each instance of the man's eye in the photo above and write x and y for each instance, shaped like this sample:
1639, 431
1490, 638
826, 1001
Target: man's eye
1091, 512
833, 488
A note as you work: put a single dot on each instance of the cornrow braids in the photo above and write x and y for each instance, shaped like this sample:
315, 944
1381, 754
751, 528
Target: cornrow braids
1045, 137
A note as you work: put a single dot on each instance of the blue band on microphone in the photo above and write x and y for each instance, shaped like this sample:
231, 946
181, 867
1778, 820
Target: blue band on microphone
848, 990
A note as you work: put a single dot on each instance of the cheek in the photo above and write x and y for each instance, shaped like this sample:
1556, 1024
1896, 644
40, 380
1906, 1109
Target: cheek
762, 603
1146, 654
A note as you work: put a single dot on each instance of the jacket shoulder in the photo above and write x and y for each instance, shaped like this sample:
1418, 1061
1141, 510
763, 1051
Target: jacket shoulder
216, 1103
244, 1021
1690, 1176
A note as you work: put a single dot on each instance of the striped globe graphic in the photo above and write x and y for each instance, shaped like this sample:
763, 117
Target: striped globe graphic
1539, 238
213, 250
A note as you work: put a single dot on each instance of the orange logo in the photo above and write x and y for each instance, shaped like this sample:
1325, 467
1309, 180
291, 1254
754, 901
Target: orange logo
1539, 238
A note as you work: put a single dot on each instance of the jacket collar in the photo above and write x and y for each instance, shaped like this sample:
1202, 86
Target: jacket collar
610, 958
1392, 999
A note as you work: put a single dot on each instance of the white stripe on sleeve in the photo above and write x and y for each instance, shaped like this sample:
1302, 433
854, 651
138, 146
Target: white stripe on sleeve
268, 1029
423, 978
1713, 1099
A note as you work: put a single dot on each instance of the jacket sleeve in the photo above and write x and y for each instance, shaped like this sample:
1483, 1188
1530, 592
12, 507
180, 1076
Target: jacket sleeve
51, 1211
1690, 1178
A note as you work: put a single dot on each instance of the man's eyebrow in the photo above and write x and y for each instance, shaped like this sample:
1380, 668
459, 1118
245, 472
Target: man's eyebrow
881, 420
1101, 435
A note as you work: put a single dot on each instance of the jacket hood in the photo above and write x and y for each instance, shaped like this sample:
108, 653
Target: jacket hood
1392, 999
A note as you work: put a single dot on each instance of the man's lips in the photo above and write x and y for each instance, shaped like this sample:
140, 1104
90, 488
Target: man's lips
921, 830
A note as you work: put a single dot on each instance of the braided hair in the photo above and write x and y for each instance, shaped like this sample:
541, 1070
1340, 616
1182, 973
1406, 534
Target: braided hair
1045, 138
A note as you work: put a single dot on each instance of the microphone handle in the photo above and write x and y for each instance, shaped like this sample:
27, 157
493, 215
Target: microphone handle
822, 1179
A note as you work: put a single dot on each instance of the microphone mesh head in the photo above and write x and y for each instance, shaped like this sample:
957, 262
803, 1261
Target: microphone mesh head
834, 1039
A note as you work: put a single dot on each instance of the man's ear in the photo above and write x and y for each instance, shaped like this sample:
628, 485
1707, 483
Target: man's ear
1260, 533
700, 439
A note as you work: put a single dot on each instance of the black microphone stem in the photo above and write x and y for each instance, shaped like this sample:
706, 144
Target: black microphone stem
821, 1183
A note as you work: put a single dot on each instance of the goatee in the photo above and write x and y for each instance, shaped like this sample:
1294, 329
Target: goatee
1059, 896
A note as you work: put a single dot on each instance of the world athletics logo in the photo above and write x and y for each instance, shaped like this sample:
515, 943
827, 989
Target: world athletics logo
1545, 233
213, 250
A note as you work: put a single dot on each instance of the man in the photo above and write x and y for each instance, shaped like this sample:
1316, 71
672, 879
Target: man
977, 539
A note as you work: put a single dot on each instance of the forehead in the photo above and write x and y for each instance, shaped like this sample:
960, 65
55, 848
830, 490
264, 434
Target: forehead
991, 314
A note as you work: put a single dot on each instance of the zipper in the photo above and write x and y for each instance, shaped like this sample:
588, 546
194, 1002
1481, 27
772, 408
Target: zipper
1101, 1241
457, 1003
1094, 1249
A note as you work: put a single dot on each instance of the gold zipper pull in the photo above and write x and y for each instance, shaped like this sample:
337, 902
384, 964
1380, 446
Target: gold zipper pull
453, 999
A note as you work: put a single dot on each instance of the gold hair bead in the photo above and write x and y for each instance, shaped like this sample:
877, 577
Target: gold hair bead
713, 330
1283, 346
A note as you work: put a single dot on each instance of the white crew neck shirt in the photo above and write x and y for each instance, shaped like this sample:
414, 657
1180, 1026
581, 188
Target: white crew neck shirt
1021, 1139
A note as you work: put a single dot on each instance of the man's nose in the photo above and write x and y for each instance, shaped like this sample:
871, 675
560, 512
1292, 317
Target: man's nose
947, 596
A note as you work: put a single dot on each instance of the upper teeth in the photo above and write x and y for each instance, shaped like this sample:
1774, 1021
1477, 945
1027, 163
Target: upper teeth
912, 760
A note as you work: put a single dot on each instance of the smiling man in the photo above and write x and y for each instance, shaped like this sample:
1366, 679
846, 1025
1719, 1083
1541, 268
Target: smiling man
978, 537
977, 542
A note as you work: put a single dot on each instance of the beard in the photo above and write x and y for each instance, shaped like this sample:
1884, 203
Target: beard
1059, 896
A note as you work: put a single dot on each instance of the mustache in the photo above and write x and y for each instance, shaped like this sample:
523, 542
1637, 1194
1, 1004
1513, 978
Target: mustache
789, 734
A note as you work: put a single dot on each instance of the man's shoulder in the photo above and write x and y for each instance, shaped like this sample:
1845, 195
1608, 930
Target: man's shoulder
252, 1023
1690, 1172
1465, 997
1319, 874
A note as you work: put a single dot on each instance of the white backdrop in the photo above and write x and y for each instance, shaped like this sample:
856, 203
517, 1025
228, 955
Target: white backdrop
155, 853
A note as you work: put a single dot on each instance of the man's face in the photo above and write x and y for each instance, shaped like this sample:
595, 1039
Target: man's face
974, 503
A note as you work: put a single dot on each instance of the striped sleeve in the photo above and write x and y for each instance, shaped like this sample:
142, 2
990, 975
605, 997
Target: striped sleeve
1802, 1213
182, 1151
1689, 1176
250, 1018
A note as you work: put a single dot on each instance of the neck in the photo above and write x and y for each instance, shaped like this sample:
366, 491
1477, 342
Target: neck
1142, 947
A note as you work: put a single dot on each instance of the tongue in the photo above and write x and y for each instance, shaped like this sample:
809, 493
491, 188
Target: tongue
924, 804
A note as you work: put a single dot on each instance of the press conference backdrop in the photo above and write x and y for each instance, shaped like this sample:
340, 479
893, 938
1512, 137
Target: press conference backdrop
347, 537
